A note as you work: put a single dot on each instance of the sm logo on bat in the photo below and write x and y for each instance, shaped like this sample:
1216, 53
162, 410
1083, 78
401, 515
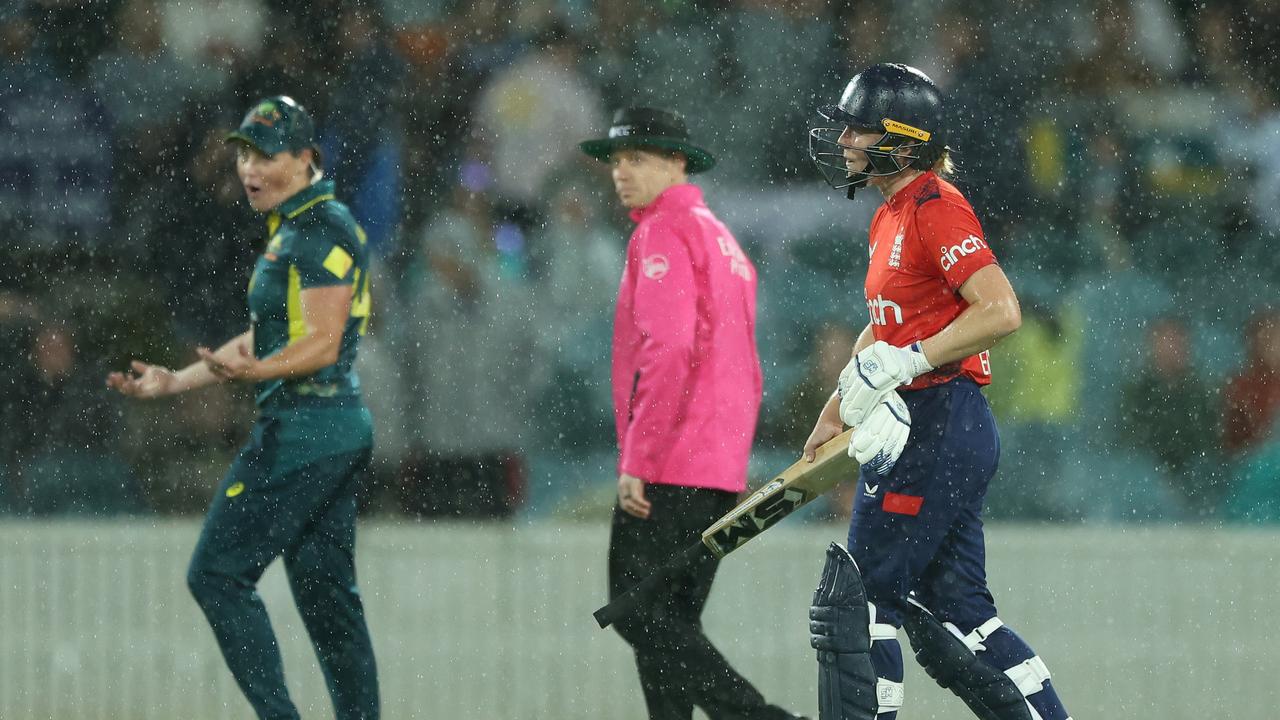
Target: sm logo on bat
772, 507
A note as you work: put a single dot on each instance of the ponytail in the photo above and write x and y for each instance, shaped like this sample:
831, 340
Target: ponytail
944, 167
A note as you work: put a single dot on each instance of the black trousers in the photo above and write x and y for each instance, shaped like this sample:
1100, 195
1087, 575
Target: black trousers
679, 667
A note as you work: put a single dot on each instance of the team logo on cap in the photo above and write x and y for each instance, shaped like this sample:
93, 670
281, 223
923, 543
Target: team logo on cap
266, 114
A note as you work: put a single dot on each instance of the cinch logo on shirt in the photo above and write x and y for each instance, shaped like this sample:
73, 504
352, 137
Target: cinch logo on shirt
952, 255
879, 307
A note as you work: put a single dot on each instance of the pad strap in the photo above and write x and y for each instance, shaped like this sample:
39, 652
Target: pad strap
879, 630
883, 631
889, 695
1029, 675
946, 656
973, 640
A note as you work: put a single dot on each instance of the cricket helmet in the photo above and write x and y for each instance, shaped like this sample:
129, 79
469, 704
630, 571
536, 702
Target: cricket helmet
890, 98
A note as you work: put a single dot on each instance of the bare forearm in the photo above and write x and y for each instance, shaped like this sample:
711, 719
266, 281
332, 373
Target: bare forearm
198, 374
977, 329
831, 411
866, 339
301, 358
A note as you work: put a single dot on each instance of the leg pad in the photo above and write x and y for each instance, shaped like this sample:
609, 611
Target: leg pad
989, 693
840, 630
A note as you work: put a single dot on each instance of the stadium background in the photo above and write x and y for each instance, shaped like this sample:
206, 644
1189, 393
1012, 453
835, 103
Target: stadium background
1124, 158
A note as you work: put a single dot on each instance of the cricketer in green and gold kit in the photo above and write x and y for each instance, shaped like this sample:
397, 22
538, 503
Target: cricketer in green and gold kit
291, 491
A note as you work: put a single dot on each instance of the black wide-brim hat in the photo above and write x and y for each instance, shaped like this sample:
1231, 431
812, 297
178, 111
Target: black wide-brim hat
650, 128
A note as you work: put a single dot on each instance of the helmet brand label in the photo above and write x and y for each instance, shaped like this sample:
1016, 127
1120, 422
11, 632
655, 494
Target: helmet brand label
898, 128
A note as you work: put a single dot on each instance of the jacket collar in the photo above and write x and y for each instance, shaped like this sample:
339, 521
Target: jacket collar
676, 197
306, 198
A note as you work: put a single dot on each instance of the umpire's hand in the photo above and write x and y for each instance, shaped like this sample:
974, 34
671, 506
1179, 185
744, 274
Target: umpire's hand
631, 496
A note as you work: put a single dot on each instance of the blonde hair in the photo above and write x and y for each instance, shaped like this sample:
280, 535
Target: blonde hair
944, 167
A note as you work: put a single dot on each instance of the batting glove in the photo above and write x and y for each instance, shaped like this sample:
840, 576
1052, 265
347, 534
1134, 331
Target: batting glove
874, 372
878, 442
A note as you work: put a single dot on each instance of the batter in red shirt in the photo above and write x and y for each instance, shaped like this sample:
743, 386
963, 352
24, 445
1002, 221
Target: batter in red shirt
938, 302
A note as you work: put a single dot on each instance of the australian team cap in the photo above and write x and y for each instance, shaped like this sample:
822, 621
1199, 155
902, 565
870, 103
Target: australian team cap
640, 127
276, 124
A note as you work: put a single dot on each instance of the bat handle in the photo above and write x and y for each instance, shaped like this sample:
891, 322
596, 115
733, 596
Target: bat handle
643, 592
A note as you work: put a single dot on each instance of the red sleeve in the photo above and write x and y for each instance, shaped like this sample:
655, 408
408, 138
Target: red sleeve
665, 311
952, 240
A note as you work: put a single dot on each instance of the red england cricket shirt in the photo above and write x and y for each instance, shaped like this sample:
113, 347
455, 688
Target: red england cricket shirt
925, 242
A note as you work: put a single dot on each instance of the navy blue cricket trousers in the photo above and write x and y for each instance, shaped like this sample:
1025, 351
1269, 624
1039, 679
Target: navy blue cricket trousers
919, 529
918, 532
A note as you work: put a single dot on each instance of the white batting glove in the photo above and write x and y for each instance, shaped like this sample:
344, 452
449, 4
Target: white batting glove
874, 372
879, 441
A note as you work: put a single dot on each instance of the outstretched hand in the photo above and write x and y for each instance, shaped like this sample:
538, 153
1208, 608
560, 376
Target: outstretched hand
143, 381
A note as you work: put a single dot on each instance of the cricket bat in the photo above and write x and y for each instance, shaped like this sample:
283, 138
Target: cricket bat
792, 489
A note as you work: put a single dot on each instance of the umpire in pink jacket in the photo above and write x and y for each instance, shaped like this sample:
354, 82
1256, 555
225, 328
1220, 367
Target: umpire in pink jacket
686, 393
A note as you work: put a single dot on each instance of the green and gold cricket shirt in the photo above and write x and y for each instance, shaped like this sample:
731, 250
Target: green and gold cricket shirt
313, 242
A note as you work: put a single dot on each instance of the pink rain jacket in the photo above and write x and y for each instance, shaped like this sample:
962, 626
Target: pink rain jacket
686, 376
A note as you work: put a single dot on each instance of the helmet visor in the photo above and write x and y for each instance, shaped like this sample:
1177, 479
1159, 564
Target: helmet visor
889, 155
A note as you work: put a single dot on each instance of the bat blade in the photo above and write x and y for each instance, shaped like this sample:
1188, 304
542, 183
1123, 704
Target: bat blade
794, 488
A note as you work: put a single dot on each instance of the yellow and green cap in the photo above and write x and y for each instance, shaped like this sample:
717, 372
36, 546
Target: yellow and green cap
276, 124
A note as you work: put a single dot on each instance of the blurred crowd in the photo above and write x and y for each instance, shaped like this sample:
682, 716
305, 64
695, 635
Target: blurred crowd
1124, 158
